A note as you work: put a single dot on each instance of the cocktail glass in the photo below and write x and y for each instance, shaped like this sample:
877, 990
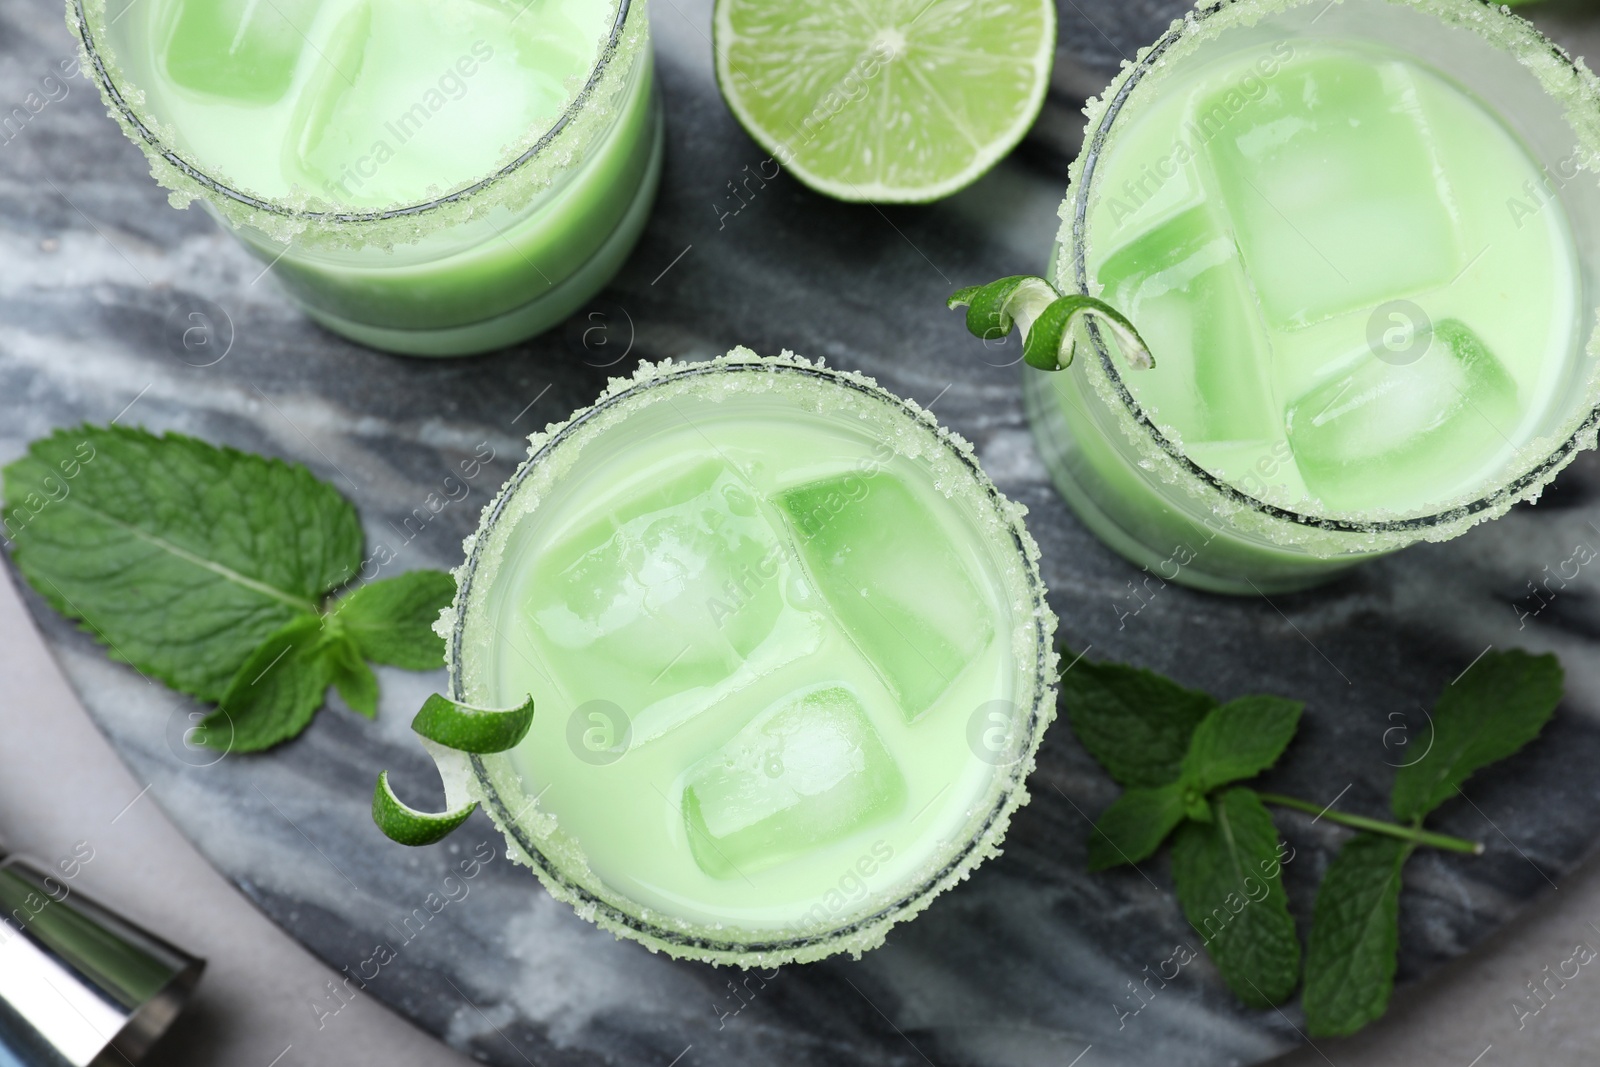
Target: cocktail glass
789, 650
428, 178
1362, 240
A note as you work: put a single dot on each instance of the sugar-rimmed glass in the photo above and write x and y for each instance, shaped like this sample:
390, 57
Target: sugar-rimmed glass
1132, 479
489, 259
974, 742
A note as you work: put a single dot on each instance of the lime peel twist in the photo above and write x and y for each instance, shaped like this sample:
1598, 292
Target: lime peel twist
469, 729
405, 824
461, 727
1046, 319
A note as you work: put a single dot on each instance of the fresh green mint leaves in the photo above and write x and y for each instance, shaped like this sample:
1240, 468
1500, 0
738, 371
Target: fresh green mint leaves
1228, 873
1176, 748
391, 621
1238, 740
1498, 705
1180, 754
218, 572
1355, 936
1135, 722
1135, 825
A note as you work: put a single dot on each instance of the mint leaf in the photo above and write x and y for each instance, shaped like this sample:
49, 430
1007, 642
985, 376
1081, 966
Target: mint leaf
392, 621
179, 556
1135, 722
1239, 740
1500, 704
1227, 874
277, 690
1355, 936
353, 678
1135, 825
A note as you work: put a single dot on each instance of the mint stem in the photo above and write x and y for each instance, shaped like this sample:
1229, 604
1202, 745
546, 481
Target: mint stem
1378, 826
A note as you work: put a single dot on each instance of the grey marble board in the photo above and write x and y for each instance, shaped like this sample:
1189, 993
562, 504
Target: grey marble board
1027, 963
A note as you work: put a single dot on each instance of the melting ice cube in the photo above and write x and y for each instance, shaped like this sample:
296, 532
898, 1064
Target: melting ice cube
1333, 187
670, 592
1184, 286
240, 49
806, 771
893, 581
1381, 435
408, 98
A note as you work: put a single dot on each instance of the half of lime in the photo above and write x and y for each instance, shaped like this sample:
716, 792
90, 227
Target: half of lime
896, 102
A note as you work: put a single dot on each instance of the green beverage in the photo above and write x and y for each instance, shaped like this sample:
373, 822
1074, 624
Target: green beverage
1353, 238
431, 177
789, 652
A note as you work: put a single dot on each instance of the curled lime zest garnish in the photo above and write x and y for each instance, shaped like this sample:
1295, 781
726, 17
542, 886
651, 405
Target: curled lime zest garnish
469, 729
1046, 320
465, 729
405, 824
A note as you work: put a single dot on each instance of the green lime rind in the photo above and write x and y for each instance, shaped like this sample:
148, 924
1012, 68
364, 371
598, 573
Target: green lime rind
469, 729
987, 317
1049, 339
455, 726
408, 826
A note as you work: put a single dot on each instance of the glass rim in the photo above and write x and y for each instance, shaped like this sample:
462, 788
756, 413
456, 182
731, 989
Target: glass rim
1012, 789
155, 143
1496, 500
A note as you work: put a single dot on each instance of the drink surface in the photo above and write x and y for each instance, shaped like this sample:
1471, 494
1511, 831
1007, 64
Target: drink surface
364, 103
1357, 301
758, 637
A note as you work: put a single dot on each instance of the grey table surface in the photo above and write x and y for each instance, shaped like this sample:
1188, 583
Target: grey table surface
1025, 963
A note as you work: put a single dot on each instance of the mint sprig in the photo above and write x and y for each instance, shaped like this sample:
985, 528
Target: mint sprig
180, 557
1180, 754
1135, 825
353, 679
1496, 707
277, 690
1225, 860
216, 571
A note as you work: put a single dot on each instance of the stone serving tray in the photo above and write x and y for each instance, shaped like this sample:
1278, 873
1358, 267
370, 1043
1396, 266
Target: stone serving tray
1027, 963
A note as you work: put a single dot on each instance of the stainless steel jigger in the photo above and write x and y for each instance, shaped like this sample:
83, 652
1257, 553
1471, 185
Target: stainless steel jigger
80, 986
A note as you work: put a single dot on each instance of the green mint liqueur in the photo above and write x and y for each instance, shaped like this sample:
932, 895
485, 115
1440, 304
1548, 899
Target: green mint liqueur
788, 649
363, 103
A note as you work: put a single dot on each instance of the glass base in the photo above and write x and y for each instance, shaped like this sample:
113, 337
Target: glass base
538, 315
1134, 515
